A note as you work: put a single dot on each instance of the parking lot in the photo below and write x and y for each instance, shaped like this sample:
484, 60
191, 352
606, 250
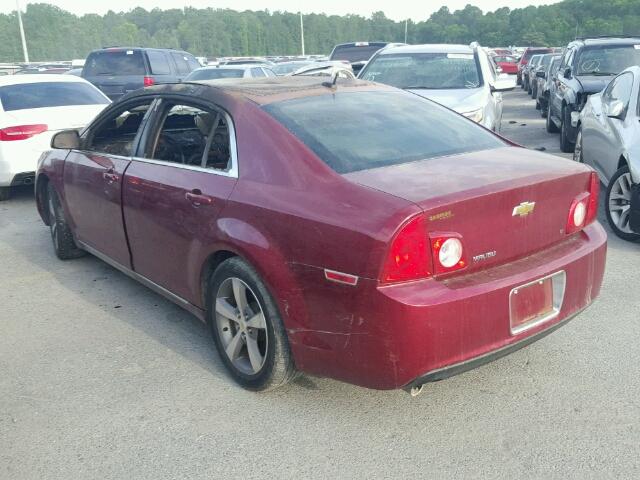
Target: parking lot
101, 378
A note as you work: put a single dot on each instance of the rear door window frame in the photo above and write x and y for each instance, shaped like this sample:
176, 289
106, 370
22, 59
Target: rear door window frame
153, 124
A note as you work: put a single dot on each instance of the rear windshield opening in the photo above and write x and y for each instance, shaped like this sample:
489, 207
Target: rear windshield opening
114, 62
363, 130
352, 53
49, 94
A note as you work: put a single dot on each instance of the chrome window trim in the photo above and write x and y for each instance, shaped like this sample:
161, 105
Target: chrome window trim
231, 172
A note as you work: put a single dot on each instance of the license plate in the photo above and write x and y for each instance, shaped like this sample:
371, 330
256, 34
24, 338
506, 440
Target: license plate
536, 302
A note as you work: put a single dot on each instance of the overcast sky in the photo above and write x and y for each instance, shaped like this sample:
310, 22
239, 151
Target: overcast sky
417, 10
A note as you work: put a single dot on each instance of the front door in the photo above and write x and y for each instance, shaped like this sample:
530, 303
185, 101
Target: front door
174, 192
93, 182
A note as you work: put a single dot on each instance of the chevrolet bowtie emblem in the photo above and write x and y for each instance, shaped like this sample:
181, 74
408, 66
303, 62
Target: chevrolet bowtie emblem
524, 209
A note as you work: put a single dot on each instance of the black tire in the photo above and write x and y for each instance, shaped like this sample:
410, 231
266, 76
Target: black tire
63, 243
566, 145
5, 193
538, 106
630, 237
534, 91
551, 127
278, 368
577, 151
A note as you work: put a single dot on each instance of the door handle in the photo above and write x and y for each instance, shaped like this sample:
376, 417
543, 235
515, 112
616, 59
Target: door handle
197, 198
110, 177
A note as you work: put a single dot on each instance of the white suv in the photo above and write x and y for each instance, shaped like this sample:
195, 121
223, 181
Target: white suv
460, 77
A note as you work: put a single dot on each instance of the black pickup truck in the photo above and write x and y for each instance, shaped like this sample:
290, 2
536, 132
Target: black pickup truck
587, 66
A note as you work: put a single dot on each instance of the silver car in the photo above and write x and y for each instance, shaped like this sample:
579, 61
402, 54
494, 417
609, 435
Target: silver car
609, 140
460, 77
230, 71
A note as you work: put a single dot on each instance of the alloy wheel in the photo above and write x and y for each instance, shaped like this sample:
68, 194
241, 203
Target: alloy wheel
241, 325
620, 202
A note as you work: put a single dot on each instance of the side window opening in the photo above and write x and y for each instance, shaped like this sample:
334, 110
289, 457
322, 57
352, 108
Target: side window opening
159, 62
115, 136
192, 136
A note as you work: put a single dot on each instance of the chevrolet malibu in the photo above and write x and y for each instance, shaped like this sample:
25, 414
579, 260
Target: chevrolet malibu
340, 228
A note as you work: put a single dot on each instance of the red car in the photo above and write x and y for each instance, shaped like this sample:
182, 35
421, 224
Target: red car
508, 63
348, 230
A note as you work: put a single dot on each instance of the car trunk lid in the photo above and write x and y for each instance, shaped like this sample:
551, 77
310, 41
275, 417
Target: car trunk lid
506, 203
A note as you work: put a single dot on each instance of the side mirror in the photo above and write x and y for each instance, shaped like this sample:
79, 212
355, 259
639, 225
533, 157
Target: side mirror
503, 84
616, 109
66, 140
567, 72
541, 74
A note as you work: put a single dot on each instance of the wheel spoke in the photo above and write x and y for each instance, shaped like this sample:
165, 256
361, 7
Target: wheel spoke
254, 353
624, 219
618, 196
224, 308
240, 295
614, 207
257, 321
234, 347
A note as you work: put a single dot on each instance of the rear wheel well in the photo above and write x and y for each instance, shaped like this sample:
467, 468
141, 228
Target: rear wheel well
622, 162
209, 267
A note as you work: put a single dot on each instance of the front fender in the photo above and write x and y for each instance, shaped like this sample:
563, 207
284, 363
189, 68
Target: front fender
50, 170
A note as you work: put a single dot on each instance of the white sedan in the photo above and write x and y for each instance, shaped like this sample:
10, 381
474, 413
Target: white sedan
32, 109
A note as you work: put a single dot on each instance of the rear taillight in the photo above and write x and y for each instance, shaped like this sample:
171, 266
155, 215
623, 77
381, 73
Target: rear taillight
21, 132
448, 252
584, 208
594, 198
415, 255
149, 81
408, 255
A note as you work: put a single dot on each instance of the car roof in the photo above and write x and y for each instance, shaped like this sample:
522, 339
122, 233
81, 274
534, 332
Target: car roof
106, 49
360, 44
427, 48
607, 41
39, 78
265, 90
234, 67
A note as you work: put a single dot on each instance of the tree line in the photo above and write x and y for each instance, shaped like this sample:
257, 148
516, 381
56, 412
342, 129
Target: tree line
53, 33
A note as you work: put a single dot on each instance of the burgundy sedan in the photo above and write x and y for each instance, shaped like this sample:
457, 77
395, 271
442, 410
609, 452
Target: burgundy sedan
347, 230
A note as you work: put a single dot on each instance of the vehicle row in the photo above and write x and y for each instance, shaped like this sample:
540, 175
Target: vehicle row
588, 94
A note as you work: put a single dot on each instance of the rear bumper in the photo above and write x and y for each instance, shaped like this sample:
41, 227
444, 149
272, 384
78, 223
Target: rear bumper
403, 335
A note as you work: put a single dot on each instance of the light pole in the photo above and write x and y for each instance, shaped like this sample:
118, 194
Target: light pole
24, 41
406, 27
302, 33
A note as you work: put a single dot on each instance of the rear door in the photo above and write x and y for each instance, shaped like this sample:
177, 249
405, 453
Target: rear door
160, 66
93, 180
174, 190
116, 71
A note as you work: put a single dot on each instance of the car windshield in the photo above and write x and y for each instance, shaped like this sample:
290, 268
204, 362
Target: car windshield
425, 70
285, 68
530, 53
114, 62
355, 53
607, 59
25, 96
546, 60
363, 130
505, 59
215, 73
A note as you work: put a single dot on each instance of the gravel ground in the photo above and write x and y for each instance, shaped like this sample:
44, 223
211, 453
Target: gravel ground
101, 378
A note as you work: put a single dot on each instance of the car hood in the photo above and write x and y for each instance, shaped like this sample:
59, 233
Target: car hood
594, 84
461, 100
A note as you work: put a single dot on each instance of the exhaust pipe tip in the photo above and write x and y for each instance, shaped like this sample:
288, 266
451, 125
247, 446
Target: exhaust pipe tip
417, 390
